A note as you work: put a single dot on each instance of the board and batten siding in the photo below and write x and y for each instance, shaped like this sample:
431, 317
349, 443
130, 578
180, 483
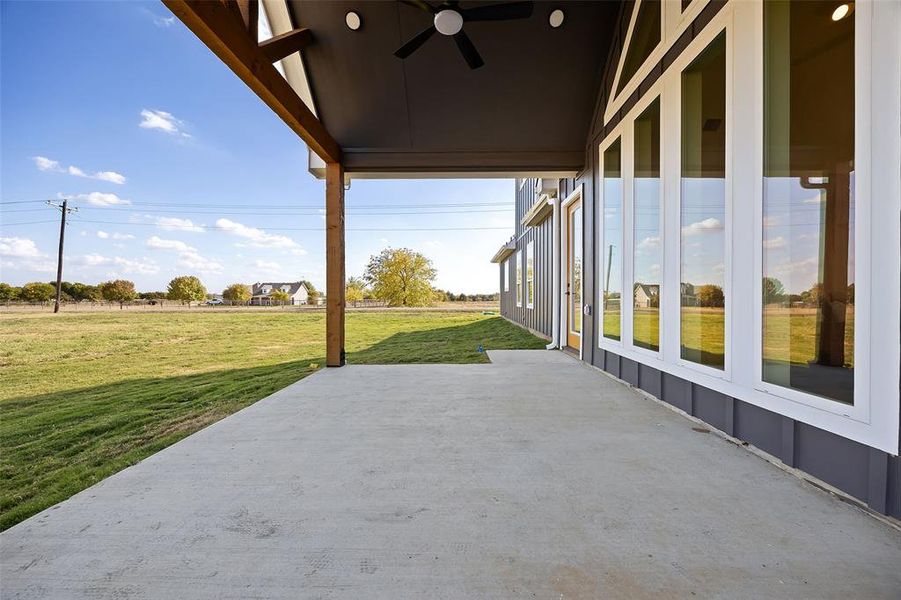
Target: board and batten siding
539, 318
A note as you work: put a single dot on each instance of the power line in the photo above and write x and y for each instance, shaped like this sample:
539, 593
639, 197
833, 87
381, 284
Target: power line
217, 228
287, 206
281, 214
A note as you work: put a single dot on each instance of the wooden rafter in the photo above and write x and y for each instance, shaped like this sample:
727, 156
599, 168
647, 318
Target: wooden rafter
286, 44
225, 30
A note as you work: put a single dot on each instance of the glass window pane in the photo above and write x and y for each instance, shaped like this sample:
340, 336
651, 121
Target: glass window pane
519, 279
703, 301
645, 37
808, 204
530, 274
648, 251
576, 270
612, 253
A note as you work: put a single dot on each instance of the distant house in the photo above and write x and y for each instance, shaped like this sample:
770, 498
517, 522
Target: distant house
261, 293
647, 295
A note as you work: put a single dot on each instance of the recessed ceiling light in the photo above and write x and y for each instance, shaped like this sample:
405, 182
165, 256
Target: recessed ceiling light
842, 11
353, 20
556, 18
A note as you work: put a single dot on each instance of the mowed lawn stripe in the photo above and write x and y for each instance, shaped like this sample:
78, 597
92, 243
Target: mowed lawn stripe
85, 395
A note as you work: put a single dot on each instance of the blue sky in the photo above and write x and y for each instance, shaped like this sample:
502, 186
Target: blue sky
177, 168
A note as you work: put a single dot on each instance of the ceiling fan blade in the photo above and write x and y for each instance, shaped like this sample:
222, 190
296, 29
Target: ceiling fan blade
499, 12
418, 40
469, 52
420, 4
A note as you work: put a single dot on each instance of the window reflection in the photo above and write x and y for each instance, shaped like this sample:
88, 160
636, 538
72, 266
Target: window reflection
703, 201
576, 266
645, 37
648, 251
611, 259
808, 210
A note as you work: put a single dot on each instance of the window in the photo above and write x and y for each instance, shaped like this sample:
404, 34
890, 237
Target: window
519, 278
611, 262
530, 275
505, 275
575, 266
703, 207
645, 37
808, 203
648, 252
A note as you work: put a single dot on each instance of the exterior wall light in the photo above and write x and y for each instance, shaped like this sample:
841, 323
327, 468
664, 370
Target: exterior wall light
353, 21
842, 11
556, 18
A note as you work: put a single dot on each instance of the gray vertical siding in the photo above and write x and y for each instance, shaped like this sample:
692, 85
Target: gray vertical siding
539, 318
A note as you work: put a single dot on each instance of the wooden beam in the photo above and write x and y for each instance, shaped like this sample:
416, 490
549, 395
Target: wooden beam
223, 32
286, 44
250, 16
334, 265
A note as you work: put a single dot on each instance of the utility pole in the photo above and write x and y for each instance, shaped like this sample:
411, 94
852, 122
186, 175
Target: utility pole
64, 210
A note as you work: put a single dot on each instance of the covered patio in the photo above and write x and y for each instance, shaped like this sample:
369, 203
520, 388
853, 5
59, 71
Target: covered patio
533, 476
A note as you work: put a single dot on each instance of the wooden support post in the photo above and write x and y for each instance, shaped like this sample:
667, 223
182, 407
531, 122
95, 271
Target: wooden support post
334, 264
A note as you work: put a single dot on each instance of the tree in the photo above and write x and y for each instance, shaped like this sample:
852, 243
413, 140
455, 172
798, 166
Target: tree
8, 292
154, 297
813, 296
186, 289
312, 293
236, 293
36, 291
279, 296
120, 290
401, 277
773, 290
710, 295
353, 290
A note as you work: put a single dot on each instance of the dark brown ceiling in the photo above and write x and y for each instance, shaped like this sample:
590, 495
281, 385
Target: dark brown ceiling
528, 109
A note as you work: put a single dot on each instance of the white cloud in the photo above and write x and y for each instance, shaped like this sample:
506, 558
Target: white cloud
163, 21
123, 236
192, 260
121, 265
16, 247
176, 224
46, 164
776, 242
268, 266
188, 257
162, 121
158, 243
102, 235
100, 199
259, 238
649, 242
709, 225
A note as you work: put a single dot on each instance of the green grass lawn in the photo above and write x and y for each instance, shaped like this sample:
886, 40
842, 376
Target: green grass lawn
85, 395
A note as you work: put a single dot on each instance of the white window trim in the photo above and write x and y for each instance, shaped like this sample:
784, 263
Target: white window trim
505, 275
577, 195
517, 273
530, 295
627, 330
605, 342
673, 154
874, 419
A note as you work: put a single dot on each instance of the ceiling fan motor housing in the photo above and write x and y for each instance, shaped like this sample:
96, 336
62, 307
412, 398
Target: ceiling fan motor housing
448, 22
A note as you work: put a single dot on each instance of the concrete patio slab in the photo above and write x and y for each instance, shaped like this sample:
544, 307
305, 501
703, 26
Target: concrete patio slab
532, 477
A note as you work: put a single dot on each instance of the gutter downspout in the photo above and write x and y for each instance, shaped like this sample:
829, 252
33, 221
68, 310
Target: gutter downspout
555, 273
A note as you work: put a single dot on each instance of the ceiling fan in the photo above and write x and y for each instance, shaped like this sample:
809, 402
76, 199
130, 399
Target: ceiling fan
449, 17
